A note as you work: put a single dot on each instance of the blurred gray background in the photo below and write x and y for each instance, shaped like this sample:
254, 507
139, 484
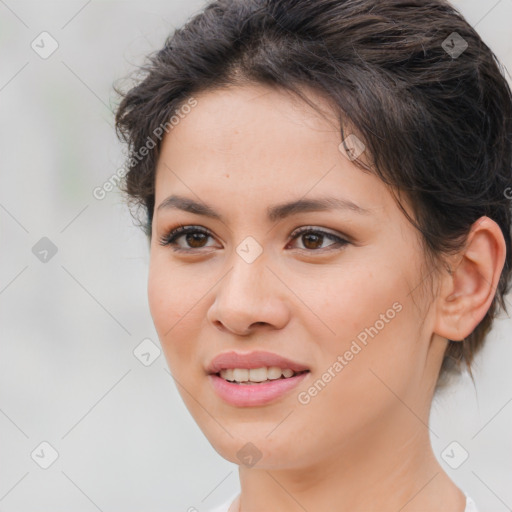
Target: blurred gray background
73, 308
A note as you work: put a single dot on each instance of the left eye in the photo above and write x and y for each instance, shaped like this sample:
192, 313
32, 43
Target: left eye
196, 236
315, 236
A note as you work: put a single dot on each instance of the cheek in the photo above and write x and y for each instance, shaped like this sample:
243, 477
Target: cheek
171, 309
160, 298
362, 388
376, 325
353, 299
171, 292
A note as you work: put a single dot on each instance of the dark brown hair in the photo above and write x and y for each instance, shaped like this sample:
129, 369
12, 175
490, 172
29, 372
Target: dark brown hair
435, 115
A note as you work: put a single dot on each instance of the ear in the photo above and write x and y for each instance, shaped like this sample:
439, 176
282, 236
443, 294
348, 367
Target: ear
468, 290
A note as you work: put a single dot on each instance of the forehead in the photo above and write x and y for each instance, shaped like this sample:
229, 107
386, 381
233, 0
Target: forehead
261, 143
224, 119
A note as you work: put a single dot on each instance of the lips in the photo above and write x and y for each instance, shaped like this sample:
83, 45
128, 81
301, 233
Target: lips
254, 394
256, 359
236, 365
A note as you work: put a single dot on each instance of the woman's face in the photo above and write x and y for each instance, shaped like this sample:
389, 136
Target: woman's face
343, 299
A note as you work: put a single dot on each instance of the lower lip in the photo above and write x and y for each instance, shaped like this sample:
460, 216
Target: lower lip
247, 395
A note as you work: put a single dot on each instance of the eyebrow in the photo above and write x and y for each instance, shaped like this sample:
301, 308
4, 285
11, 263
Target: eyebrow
274, 213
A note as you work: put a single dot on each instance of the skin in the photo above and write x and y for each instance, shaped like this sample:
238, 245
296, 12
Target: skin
362, 443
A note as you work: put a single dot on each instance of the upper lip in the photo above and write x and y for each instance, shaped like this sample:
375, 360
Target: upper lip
256, 359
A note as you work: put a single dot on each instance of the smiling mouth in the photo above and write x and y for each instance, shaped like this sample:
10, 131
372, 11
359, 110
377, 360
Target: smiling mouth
252, 376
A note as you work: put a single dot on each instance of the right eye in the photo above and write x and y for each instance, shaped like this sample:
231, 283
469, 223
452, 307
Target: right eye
194, 236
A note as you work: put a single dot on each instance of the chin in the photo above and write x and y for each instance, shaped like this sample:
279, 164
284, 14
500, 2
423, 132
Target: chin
252, 447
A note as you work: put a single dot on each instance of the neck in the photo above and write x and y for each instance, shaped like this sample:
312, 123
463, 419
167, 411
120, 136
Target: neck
380, 468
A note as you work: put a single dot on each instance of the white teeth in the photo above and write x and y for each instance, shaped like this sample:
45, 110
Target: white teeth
255, 374
274, 372
241, 374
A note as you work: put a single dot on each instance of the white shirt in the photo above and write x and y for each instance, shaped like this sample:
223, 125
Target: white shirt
470, 505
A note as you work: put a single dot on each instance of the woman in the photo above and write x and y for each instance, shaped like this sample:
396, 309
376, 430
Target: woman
325, 193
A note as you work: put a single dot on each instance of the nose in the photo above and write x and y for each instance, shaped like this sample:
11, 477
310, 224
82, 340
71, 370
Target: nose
248, 298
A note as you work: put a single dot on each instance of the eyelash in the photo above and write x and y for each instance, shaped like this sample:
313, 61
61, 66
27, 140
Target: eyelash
170, 238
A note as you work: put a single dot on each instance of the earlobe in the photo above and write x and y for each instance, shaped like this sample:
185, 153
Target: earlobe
468, 290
